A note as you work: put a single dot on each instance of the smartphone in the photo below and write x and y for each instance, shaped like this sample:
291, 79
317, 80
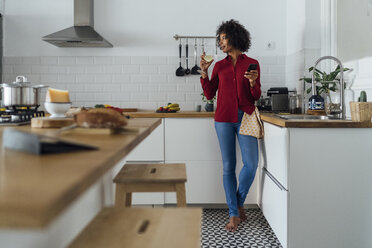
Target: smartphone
252, 67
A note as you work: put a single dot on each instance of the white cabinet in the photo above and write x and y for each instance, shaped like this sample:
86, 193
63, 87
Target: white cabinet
151, 149
193, 141
204, 183
319, 190
277, 146
274, 206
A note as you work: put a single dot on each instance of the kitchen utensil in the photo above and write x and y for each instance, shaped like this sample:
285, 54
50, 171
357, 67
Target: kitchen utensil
216, 49
194, 70
180, 71
21, 93
187, 71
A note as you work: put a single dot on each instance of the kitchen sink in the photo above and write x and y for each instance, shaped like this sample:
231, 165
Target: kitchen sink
303, 117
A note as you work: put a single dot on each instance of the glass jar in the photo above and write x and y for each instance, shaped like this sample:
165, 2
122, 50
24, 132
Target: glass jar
349, 97
333, 104
294, 104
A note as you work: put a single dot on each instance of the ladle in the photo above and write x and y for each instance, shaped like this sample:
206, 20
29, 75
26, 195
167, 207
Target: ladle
196, 68
187, 71
180, 71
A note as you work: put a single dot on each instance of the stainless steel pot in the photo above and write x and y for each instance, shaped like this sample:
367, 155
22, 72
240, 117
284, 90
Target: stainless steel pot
21, 93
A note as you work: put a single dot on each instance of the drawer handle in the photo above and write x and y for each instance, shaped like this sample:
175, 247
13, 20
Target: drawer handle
274, 180
153, 170
143, 226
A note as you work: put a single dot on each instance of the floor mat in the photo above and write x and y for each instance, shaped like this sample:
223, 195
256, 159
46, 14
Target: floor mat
254, 232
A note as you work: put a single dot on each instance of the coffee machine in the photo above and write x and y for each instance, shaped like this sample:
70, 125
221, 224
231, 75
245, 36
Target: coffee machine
278, 98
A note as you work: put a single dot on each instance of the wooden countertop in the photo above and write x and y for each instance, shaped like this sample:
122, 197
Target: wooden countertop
180, 114
271, 118
35, 189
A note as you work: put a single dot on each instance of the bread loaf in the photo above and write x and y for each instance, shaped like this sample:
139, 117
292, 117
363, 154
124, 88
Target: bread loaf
100, 118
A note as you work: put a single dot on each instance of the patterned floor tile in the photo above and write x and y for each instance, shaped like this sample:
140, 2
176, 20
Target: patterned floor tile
255, 232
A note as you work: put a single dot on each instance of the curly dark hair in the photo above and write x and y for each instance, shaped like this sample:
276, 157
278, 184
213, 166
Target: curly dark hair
237, 35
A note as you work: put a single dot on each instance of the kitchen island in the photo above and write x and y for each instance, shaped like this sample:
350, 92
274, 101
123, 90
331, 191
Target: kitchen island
315, 182
46, 200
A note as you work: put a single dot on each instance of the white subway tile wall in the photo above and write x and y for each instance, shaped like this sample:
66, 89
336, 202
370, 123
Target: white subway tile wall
126, 81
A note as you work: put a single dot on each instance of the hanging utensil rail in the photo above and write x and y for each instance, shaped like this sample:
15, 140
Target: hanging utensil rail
176, 37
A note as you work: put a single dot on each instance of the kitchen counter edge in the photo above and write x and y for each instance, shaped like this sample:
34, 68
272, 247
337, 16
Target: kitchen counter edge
180, 114
275, 120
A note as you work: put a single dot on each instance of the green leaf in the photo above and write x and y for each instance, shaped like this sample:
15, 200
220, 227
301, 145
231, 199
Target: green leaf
325, 80
307, 80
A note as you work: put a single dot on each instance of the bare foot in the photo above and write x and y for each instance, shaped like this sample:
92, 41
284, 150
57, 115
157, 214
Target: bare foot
232, 226
242, 215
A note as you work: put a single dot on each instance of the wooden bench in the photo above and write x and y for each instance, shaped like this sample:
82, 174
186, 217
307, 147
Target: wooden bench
142, 227
150, 178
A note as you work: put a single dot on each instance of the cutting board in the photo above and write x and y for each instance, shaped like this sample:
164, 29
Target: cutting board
130, 110
47, 122
82, 130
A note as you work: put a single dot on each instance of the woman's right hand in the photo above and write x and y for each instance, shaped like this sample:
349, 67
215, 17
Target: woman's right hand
204, 65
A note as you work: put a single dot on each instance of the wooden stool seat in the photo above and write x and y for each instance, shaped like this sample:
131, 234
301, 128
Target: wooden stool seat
142, 227
150, 178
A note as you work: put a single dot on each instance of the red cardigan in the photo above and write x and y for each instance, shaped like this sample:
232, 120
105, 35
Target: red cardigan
234, 90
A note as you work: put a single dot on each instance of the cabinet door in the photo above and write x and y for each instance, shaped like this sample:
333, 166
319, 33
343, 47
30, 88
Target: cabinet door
274, 206
150, 149
205, 184
277, 152
191, 139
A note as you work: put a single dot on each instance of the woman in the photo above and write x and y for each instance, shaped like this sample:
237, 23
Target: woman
237, 91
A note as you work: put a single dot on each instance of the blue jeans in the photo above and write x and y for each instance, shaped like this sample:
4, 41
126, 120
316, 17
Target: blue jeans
226, 133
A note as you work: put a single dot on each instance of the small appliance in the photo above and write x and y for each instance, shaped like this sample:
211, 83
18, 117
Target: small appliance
279, 98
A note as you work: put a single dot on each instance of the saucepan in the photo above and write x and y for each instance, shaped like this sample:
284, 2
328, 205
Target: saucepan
21, 93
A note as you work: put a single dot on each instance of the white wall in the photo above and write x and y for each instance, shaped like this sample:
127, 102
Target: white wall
312, 26
354, 46
354, 30
296, 21
141, 27
140, 70
295, 32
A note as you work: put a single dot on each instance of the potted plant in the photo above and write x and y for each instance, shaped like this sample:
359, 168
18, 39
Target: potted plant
209, 107
326, 84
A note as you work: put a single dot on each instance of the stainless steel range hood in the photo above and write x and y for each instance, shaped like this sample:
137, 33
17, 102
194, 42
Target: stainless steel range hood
82, 34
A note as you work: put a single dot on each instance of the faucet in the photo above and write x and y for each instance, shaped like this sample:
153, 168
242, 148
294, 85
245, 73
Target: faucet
313, 87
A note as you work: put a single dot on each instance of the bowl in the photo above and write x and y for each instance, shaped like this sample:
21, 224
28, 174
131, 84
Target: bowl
57, 109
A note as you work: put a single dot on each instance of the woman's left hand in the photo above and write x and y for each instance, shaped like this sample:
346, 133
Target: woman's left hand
251, 76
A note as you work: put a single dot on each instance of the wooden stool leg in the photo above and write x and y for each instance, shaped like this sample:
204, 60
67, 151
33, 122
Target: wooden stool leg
181, 195
119, 195
128, 200
122, 198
